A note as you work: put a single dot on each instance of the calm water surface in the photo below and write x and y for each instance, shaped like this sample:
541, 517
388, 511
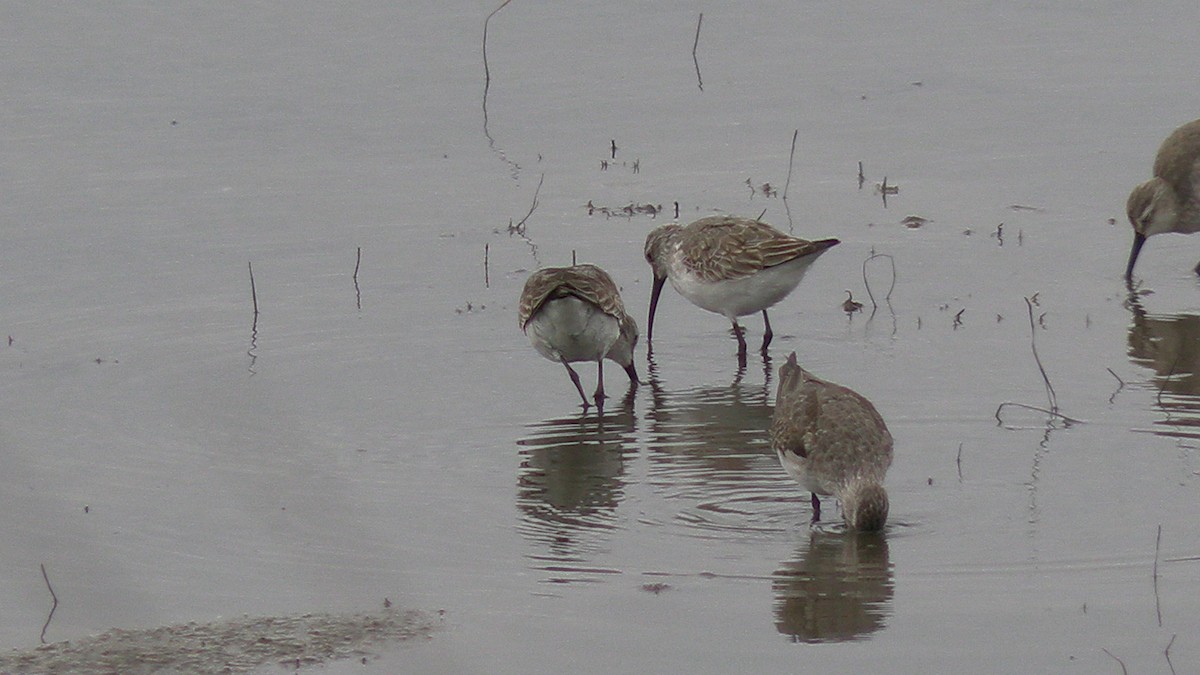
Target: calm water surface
170, 458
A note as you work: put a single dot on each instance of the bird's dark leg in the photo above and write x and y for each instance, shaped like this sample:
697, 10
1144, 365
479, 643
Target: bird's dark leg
740, 334
578, 387
599, 395
816, 506
767, 334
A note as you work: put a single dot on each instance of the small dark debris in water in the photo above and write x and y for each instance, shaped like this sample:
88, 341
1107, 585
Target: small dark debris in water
766, 189
968, 232
929, 481
87, 509
1020, 237
1112, 221
469, 309
885, 189
628, 211
1034, 299
613, 147
958, 318
913, 222
636, 165
1042, 320
656, 588
850, 306
918, 83
999, 318
861, 178
387, 603
10, 340
998, 235
1022, 207
174, 123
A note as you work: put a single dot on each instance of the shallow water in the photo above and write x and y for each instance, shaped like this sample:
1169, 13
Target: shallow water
391, 435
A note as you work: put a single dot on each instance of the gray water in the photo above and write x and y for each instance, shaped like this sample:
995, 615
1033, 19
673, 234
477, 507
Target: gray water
171, 459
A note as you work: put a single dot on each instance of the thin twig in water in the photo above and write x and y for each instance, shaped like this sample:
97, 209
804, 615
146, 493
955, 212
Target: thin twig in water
519, 228
1036, 358
53, 607
253, 292
1054, 413
1120, 384
357, 292
1157, 604
1170, 374
867, 283
696, 44
760, 216
486, 282
1123, 668
487, 73
791, 159
788, 182
958, 462
1167, 653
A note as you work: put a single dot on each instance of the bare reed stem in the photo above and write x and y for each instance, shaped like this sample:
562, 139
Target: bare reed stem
253, 292
53, 607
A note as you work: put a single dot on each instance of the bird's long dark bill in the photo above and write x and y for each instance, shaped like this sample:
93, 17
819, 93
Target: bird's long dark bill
1139, 240
654, 293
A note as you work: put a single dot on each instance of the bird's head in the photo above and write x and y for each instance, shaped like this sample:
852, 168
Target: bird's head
1152, 209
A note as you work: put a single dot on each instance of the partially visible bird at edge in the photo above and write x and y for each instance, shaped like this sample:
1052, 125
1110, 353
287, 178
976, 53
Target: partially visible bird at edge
1170, 201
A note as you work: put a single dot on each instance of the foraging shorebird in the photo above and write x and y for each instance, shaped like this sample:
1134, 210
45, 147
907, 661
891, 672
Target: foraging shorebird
1168, 202
730, 266
575, 314
832, 441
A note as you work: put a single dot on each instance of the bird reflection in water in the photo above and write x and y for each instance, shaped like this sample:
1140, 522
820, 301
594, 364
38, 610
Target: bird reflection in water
838, 588
710, 454
1169, 345
720, 427
569, 485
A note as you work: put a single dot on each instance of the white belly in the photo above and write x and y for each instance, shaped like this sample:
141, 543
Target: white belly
797, 468
747, 295
572, 330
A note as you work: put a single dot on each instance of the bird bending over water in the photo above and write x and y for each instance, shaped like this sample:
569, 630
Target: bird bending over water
1168, 202
832, 441
730, 266
575, 314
